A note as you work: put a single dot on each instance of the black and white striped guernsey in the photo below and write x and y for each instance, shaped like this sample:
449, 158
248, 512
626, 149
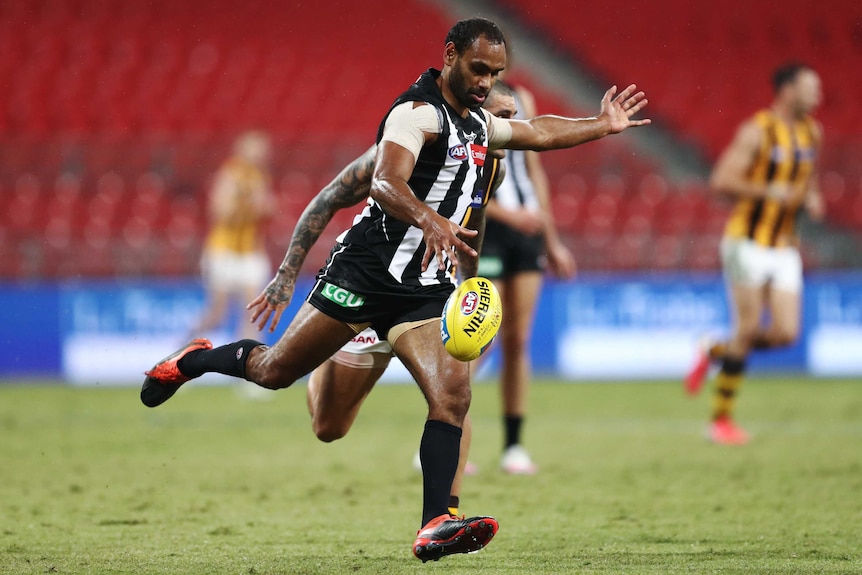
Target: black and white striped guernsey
446, 178
517, 189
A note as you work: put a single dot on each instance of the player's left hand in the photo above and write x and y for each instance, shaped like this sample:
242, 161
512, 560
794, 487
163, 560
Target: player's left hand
618, 111
815, 206
272, 302
561, 261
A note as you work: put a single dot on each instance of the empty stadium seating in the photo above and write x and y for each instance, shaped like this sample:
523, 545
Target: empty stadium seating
117, 114
707, 65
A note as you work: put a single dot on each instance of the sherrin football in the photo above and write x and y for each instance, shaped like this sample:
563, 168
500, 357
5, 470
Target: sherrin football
471, 318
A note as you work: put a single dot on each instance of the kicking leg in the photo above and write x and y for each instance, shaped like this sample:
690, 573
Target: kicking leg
309, 340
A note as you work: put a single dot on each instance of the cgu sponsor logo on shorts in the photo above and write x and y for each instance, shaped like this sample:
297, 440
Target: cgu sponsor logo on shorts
341, 296
483, 302
458, 152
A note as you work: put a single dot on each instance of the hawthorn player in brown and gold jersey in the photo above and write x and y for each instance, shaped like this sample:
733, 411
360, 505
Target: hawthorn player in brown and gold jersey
234, 262
769, 170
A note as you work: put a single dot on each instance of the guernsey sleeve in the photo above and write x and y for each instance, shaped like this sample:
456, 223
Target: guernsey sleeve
407, 123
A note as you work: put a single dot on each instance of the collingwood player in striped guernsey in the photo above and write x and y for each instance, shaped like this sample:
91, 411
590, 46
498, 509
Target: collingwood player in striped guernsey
337, 388
393, 269
769, 171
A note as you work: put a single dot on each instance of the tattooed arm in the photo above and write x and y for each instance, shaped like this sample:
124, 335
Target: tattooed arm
348, 189
476, 221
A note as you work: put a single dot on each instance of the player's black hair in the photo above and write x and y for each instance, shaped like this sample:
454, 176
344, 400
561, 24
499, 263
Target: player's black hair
465, 32
786, 74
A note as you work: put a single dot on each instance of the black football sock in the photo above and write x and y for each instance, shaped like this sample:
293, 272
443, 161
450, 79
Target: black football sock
438, 451
227, 359
512, 425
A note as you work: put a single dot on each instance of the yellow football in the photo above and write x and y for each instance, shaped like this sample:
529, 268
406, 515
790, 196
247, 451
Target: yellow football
471, 318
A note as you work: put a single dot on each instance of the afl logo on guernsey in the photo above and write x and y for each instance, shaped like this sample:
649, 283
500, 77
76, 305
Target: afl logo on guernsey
458, 152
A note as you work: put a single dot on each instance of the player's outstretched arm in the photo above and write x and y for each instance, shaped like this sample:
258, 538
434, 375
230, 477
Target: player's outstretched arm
556, 132
561, 261
348, 189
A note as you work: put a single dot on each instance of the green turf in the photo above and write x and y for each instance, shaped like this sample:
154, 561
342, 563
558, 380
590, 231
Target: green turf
92, 482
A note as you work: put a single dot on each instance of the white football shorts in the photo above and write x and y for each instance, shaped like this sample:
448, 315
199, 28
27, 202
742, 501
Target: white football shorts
745, 262
364, 351
234, 272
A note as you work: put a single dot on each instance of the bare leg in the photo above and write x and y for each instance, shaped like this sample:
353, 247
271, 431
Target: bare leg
785, 310
748, 308
335, 394
247, 330
519, 296
217, 304
311, 339
445, 382
464, 453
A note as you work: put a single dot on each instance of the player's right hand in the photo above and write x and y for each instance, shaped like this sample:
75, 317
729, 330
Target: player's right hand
528, 222
272, 301
441, 240
780, 192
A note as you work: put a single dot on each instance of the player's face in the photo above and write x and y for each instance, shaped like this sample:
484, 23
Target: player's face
807, 91
501, 105
475, 71
255, 149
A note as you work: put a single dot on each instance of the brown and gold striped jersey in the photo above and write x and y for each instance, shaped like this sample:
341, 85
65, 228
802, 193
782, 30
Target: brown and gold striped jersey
787, 154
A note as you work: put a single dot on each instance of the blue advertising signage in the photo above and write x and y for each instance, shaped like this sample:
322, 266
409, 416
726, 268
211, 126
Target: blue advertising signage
597, 327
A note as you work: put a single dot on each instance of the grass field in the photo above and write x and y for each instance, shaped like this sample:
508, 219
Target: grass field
92, 482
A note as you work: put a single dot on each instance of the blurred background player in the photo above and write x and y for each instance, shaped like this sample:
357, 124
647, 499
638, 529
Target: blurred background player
520, 238
337, 388
769, 169
234, 261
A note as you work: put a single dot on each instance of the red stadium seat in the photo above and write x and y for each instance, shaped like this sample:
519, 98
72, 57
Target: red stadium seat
139, 101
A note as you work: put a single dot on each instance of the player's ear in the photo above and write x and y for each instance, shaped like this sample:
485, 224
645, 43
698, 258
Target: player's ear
450, 53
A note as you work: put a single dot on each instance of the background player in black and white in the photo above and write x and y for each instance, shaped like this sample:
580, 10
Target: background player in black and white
392, 269
520, 239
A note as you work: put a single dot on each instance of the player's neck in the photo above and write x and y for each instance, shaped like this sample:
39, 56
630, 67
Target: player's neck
450, 98
786, 112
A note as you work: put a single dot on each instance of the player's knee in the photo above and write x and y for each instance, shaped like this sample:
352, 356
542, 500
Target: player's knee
452, 406
516, 341
328, 431
271, 377
785, 336
746, 337
267, 373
